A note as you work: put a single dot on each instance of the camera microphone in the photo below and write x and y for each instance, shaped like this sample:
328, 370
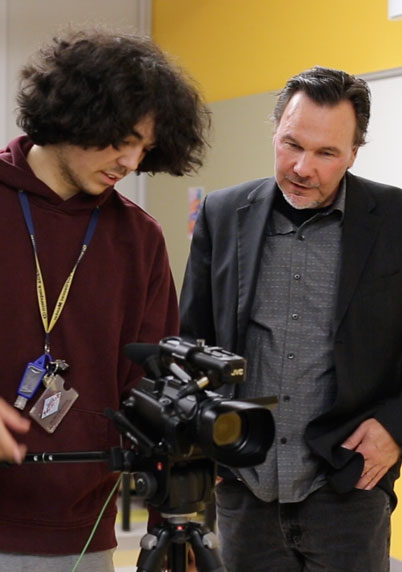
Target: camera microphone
145, 355
148, 356
139, 353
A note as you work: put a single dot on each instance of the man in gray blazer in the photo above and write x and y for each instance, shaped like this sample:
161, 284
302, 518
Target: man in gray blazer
302, 274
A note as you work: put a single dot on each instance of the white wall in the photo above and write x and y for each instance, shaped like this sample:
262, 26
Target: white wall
26, 24
381, 158
3, 72
241, 149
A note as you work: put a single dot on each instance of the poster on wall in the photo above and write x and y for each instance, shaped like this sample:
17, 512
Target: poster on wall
195, 196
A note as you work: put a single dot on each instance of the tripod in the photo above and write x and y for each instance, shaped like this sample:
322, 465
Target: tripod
171, 540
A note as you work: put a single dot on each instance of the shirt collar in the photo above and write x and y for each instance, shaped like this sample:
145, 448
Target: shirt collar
282, 225
339, 202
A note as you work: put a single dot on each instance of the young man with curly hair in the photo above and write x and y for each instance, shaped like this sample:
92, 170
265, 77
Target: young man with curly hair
84, 272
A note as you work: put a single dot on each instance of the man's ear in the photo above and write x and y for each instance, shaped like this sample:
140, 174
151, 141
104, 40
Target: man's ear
353, 156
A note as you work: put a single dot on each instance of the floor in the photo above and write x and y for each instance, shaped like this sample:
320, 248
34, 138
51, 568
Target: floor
128, 548
396, 565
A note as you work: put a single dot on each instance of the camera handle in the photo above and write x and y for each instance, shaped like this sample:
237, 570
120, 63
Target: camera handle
171, 540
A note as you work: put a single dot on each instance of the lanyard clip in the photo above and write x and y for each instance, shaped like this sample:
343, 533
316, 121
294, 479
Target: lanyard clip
47, 346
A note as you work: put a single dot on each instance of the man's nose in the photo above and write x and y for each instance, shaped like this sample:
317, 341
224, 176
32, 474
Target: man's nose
131, 158
304, 166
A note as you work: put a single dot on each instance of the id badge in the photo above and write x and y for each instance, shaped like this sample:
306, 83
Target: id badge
54, 403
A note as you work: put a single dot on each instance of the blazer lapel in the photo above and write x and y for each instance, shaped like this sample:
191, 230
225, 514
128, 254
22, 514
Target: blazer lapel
359, 234
252, 219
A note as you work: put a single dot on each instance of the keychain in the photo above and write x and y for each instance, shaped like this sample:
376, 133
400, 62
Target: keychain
31, 380
53, 368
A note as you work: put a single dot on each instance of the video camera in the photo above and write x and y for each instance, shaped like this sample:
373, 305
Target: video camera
180, 429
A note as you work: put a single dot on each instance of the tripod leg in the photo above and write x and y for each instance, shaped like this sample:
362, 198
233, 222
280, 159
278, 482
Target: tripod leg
153, 552
210, 514
178, 557
205, 546
125, 500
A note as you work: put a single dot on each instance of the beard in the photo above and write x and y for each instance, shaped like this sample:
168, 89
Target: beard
295, 202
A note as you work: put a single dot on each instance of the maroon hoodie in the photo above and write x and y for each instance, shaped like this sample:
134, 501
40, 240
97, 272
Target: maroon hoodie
122, 292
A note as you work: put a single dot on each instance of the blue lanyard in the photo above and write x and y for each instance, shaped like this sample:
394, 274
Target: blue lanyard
40, 285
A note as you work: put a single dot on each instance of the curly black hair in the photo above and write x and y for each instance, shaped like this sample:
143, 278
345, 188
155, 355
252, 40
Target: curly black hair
91, 87
327, 86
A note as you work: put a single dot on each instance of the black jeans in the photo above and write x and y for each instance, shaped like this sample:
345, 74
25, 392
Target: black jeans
325, 532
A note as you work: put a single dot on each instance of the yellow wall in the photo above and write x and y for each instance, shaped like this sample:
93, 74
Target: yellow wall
241, 47
234, 48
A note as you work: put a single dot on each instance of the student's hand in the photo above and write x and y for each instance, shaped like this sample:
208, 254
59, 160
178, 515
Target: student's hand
379, 449
10, 450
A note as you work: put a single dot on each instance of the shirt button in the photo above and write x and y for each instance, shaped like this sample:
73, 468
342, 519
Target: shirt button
296, 276
286, 398
291, 356
283, 440
295, 316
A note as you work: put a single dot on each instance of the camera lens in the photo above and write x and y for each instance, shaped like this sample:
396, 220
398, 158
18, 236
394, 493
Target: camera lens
227, 428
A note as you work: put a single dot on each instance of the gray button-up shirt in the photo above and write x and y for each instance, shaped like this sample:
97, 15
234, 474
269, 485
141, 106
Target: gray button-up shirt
289, 345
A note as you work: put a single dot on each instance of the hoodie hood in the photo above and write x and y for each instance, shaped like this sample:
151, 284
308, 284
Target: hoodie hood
15, 173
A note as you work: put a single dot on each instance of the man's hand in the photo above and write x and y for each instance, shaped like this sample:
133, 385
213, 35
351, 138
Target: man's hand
10, 450
379, 449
